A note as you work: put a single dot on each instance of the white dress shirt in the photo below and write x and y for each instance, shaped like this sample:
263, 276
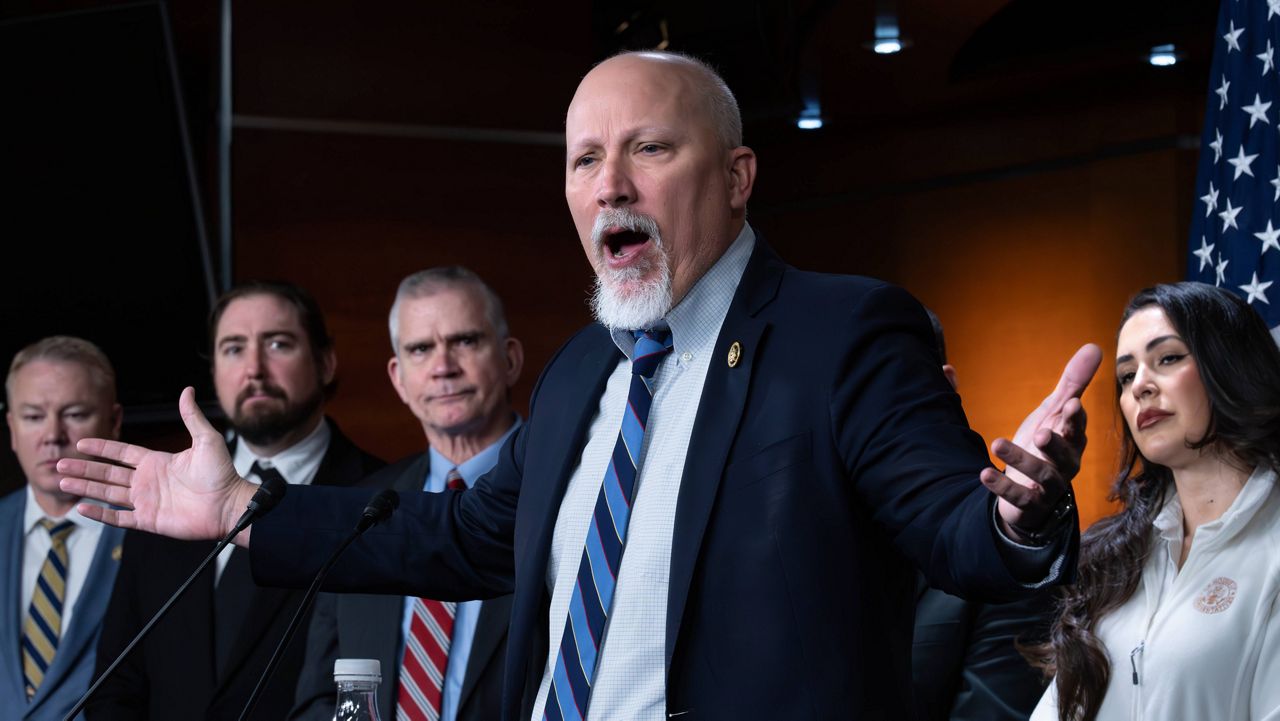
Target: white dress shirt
630, 680
81, 545
297, 464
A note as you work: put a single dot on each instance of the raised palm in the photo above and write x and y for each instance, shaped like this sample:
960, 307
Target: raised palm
189, 495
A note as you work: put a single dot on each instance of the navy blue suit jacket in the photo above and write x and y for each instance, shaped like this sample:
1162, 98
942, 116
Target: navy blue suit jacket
827, 461
357, 625
72, 668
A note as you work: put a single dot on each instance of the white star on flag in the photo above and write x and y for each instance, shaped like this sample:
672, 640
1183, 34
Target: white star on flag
1255, 290
1205, 254
1233, 37
1242, 162
1229, 217
1257, 111
1268, 57
1210, 200
1268, 238
1235, 209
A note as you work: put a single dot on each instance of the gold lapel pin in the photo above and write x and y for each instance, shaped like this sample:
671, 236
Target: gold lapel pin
735, 354
116, 553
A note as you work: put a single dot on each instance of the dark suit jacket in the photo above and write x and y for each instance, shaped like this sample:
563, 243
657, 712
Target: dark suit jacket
71, 673
965, 661
826, 460
369, 626
173, 673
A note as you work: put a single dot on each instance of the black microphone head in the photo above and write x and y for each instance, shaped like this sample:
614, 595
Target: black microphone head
268, 494
380, 507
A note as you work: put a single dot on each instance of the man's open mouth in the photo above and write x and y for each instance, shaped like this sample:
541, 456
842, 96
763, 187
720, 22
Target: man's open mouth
623, 243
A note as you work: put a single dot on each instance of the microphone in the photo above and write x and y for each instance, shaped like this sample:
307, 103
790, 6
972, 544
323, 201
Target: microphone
379, 509
267, 496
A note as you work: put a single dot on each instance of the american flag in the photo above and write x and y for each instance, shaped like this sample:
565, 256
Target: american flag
1235, 241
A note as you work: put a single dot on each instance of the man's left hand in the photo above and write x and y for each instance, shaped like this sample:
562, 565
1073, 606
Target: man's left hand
1044, 454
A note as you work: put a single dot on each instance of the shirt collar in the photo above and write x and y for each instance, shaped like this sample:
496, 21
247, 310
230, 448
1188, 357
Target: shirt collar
297, 463
695, 321
1257, 487
475, 466
1168, 522
32, 514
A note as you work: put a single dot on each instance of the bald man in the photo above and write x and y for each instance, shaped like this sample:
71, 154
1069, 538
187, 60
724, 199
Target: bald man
774, 449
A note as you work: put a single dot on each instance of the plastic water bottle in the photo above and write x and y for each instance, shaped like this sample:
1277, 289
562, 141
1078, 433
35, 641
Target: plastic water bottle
357, 680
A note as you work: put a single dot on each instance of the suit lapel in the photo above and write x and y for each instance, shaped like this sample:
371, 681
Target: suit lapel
570, 406
575, 407
491, 631
266, 607
10, 596
377, 620
415, 476
262, 609
341, 462
724, 395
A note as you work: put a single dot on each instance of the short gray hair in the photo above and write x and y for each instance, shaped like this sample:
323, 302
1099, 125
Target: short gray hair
722, 106
433, 280
65, 349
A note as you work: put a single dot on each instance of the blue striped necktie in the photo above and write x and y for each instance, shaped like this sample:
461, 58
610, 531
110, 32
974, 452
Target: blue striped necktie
43, 625
592, 597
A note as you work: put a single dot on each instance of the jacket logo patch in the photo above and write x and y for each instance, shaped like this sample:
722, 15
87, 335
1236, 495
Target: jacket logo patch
1217, 596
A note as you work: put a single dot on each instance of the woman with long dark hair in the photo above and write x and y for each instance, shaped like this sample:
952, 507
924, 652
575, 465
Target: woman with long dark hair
1176, 612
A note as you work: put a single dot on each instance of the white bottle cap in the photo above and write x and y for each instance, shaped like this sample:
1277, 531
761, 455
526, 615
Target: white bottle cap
357, 669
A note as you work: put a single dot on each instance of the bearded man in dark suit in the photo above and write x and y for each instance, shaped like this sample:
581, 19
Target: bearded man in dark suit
273, 360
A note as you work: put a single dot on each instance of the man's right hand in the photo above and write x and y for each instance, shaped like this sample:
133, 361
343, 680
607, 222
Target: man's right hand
195, 494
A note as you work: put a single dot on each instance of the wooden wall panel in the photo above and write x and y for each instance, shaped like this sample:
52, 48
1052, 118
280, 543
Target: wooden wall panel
348, 217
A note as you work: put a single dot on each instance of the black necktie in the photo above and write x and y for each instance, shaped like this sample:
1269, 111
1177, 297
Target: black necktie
234, 594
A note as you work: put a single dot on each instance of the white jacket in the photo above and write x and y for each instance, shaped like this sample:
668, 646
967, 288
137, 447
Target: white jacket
1201, 643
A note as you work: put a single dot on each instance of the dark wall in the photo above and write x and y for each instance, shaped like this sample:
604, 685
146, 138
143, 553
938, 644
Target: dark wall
1024, 208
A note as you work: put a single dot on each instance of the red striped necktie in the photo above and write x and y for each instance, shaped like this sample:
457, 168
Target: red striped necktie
426, 650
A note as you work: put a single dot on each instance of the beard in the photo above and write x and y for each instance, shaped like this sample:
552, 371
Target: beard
631, 298
268, 426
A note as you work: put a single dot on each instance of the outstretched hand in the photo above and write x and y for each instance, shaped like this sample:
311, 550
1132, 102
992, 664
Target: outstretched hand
195, 494
1044, 454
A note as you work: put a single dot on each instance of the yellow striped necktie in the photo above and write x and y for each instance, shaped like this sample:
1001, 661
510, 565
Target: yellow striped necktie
43, 626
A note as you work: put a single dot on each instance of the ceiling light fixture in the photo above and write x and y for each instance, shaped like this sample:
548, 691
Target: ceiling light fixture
811, 117
1163, 56
888, 36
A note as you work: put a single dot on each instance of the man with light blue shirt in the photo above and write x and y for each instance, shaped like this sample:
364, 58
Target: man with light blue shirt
454, 365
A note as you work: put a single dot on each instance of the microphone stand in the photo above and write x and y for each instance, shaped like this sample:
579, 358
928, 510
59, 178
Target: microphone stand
266, 498
379, 509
